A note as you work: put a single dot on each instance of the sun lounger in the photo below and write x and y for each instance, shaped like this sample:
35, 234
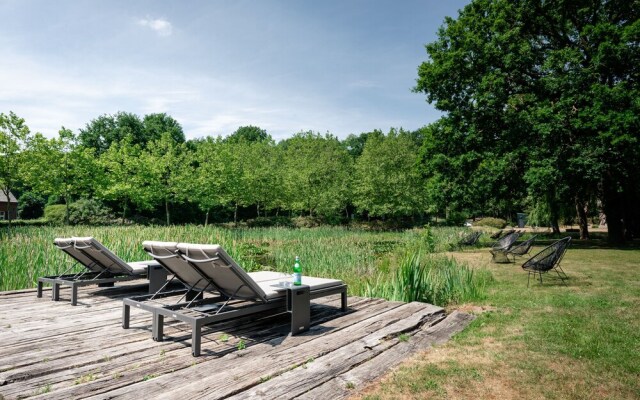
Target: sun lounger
102, 268
208, 269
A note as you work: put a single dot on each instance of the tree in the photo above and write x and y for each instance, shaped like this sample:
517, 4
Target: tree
101, 132
249, 133
14, 135
206, 179
61, 167
124, 176
317, 174
525, 81
161, 168
387, 183
155, 125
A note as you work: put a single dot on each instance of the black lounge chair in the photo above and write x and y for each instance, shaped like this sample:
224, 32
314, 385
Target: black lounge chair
516, 250
502, 245
548, 259
209, 270
470, 239
102, 268
501, 233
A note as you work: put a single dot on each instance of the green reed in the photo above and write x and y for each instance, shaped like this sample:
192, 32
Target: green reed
355, 256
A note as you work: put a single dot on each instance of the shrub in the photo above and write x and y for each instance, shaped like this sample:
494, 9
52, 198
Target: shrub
89, 212
497, 223
55, 213
456, 218
81, 212
264, 222
30, 206
306, 222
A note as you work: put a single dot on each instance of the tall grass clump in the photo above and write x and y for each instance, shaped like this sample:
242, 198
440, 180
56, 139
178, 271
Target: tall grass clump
429, 278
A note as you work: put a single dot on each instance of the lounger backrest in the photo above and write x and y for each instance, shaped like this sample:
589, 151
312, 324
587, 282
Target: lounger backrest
548, 257
228, 277
166, 254
68, 246
94, 250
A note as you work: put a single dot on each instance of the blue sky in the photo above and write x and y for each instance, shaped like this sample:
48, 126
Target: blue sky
337, 66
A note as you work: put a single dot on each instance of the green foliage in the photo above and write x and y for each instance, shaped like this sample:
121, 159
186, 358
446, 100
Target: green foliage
248, 133
105, 130
492, 222
456, 218
55, 213
156, 125
542, 90
89, 212
386, 181
316, 173
59, 167
30, 205
14, 135
264, 222
429, 278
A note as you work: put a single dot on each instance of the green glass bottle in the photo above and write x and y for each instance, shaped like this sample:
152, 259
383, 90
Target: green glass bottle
297, 272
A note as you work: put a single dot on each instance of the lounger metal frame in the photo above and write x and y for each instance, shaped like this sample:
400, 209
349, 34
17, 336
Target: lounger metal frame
225, 306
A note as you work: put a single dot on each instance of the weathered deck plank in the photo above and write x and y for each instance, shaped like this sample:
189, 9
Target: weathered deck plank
53, 350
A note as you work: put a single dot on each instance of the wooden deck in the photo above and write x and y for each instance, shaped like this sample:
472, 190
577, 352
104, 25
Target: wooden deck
53, 350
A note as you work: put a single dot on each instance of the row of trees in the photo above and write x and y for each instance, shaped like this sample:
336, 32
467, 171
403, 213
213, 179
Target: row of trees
145, 164
542, 110
541, 114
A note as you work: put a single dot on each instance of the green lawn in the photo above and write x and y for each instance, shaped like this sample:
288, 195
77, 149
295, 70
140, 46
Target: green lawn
580, 341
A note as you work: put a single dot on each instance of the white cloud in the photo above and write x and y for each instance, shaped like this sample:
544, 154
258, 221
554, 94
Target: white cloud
161, 26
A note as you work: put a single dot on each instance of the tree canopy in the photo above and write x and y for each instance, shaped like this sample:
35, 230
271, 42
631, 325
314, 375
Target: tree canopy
541, 100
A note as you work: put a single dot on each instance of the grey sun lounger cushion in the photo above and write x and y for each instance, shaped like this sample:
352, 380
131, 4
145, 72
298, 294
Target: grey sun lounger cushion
93, 255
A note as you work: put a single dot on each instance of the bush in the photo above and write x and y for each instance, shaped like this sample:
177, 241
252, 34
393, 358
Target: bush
497, 223
81, 212
306, 222
55, 213
456, 218
30, 206
89, 212
265, 222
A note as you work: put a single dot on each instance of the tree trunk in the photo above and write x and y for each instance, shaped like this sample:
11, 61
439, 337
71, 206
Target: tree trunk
206, 218
66, 212
9, 210
235, 215
613, 212
583, 222
555, 227
258, 210
124, 211
166, 209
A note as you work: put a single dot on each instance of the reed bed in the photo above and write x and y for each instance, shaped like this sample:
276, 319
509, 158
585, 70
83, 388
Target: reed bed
358, 257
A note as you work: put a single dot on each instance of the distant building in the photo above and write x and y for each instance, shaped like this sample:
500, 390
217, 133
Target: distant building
13, 206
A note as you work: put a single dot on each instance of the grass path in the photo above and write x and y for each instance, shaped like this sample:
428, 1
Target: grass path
580, 341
